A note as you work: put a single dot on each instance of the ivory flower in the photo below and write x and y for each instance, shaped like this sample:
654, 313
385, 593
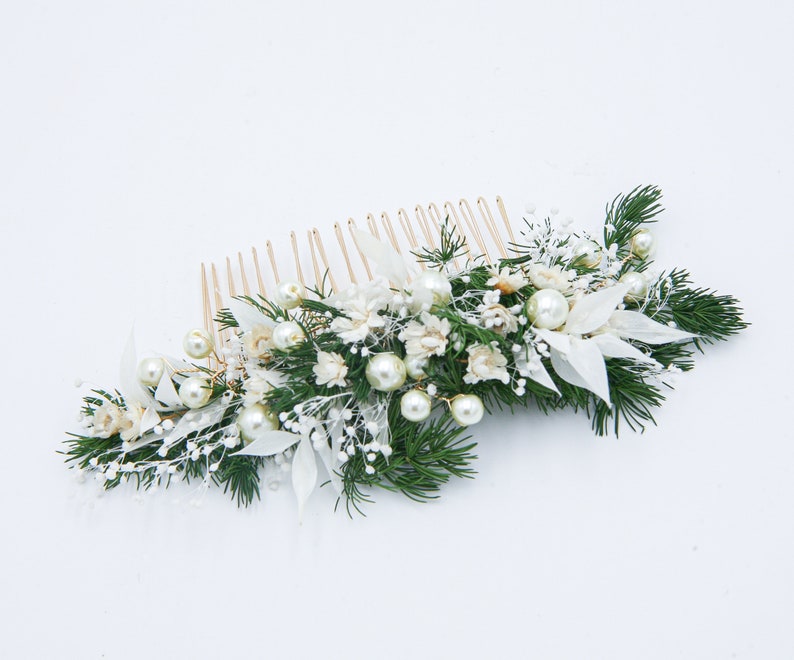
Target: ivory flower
107, 419
130, 422
360, 306
550, 277
496, 316
330, 369
485, 363
507, 282
426, 338
258, 341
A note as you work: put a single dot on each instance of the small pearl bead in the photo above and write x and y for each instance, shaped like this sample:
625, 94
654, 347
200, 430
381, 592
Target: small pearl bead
195, 392
289, 295
150, 371
287, 335
643, 244
386, 372
415, 405
638, 285
547, 309
255, 420
198, 344
587, 253
467, 409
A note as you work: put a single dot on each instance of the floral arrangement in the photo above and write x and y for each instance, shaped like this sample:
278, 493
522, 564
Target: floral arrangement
379, 383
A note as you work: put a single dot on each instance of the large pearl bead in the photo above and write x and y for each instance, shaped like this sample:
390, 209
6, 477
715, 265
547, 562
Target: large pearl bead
415, 405
643, 244
289, 295
437, 284
638, 285
195, 392
150, 371
385, 372
287, 335
255, 420
587, 253
467, 409
198, 344
547, 309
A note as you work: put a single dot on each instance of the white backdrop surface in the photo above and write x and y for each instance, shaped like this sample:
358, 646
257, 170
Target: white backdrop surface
139, 139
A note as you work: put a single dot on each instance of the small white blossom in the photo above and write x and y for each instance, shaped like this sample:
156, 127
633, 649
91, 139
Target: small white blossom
507, 282
258, 341
330, 369
360, 306
426, 338
130, 422
495, 316
486, 363
106, 421
550, 277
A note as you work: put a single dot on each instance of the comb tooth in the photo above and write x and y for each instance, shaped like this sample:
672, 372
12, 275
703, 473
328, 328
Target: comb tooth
294, 240
230, 278
243, 278
453, 214
259, 281
321, 250
351, 225
341, 240
471, 222
503, 212
272, 259
493, 230
424, 225
373, 226
408, 230
318, 280
207, 305
218, 302
384, 218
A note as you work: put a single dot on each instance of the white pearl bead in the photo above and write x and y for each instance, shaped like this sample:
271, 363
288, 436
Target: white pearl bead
386, 372
415, 405
643, 244
638, 285
198, 344
195, 392
467, 409
436, 284
255, 420
289, 295
547, 309
587, 253
414, 366
287, 335
150, 371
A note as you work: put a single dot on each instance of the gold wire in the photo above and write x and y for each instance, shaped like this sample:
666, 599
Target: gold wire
321, 250
373, 226
471, 222
246, 290
503, 212
384, 218
485, 212
294, 240
453, 215
351, 225
259, 281
272, 258
230, 278
315, 264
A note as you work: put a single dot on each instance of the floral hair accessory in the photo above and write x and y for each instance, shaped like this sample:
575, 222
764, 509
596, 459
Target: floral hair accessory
376, 383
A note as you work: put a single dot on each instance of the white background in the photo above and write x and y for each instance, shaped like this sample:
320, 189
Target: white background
139, 139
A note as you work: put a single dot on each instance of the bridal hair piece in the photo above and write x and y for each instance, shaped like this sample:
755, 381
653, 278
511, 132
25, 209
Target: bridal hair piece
361, 362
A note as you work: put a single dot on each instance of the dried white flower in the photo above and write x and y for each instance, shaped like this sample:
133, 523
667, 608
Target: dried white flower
426, 338
550, 277
330, 369
496, 316
507, 282
130, 422
258, 341
106, 420
486, 363
360, 306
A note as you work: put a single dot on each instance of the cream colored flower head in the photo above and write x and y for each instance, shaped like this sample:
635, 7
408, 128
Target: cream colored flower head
485, 363
258, 341
255, 390
106, 420
130, 423
498, 318
330, 369
550, 277
507, 282
426, 338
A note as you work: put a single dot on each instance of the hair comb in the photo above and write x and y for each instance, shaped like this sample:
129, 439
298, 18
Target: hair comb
361, 361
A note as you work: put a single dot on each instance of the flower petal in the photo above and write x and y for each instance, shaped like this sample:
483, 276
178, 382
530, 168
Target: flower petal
594, 309
636, 325
166, 392
247, 316
304, 473
558, 340
583, 366
269, 444
613, 347
386, 259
